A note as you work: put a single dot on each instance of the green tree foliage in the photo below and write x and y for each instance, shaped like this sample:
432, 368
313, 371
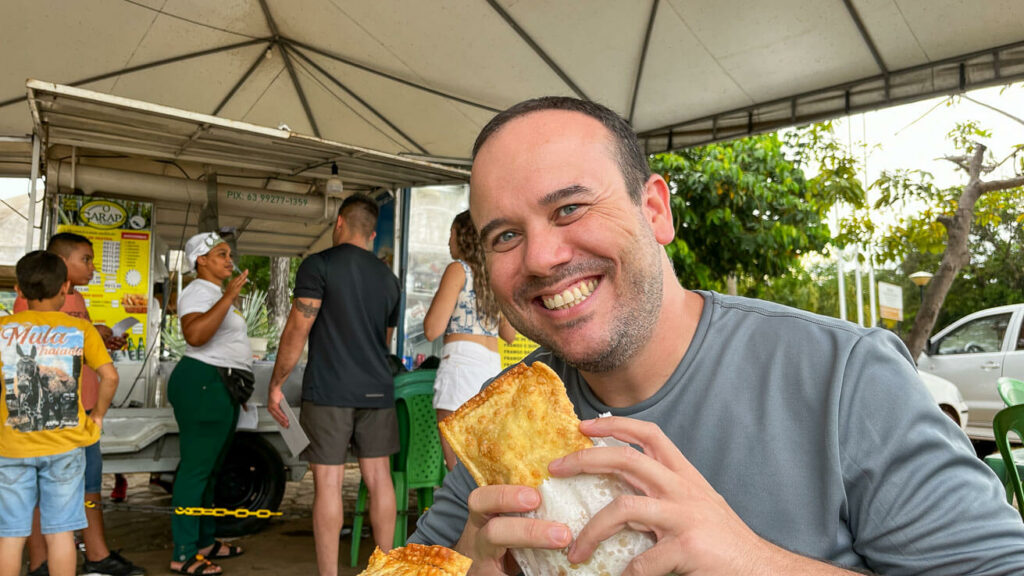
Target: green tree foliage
259, 271
744, 208
995, 275
964, 234
811, 288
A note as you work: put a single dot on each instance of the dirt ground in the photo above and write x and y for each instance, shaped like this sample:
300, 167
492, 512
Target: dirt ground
285, 546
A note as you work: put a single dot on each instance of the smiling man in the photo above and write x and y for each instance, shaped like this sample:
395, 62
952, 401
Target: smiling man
770, 440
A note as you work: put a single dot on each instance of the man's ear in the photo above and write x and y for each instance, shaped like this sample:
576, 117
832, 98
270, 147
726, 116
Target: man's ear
656, 203
17, 290
65, 287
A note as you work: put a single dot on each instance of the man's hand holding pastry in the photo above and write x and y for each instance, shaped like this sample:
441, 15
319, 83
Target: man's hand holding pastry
507, 436
491, 529
696, 530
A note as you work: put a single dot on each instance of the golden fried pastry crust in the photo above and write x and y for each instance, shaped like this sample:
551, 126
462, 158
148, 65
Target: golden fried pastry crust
417, 560
512, 430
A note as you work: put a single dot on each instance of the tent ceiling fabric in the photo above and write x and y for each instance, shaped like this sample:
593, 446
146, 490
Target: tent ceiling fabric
422, 77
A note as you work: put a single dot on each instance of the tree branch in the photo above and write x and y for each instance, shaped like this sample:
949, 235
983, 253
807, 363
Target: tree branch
1016, 150
960, 161
995, 185
977, 160
946, 221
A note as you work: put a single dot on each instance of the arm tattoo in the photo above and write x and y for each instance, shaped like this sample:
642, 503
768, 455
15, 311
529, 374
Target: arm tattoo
306, 310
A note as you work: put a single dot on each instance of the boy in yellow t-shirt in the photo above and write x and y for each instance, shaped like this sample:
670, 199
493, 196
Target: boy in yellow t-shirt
43, 425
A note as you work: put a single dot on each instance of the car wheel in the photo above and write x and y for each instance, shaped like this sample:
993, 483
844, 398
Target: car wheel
252, 477
951, 412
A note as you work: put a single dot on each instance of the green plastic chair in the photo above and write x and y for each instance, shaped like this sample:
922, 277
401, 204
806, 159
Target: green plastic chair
1011, 390
1007, 419
419, 463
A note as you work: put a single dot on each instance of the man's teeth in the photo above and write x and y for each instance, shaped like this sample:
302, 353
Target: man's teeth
571, 296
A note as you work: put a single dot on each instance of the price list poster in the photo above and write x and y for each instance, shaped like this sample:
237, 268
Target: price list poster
121, 234
520, 348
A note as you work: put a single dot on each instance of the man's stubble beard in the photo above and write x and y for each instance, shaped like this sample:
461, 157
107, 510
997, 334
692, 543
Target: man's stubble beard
631, 327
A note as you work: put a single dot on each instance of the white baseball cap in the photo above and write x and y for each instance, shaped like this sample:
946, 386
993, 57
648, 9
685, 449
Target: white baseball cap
199, 245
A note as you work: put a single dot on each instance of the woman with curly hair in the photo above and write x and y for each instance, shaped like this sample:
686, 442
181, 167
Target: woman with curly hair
465, 311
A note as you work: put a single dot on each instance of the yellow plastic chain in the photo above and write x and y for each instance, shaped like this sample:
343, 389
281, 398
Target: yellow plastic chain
216, 512
221, 512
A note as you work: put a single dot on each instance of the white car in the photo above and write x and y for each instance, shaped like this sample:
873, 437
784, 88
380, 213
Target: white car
948, 398
973, 353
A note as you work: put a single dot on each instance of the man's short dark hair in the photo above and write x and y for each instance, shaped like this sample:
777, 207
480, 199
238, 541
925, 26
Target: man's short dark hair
628, 152
40, 274
360, 212
63, 243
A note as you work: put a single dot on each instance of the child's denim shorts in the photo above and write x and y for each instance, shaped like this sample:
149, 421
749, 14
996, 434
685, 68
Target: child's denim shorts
54, 483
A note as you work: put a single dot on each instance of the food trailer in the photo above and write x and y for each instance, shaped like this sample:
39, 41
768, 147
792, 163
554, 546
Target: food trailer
139, 179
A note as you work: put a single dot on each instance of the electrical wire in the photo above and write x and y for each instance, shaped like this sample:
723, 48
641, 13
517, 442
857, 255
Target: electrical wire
181, 244
922, 116
15, 210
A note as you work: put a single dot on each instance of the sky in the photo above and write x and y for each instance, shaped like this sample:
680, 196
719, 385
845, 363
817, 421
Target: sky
908, 136
914, 135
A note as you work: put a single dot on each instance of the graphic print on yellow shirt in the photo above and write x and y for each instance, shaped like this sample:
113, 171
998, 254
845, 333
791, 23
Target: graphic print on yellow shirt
42, 354
44, 381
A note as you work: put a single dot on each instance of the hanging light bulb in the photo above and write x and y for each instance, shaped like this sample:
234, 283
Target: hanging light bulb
334, 185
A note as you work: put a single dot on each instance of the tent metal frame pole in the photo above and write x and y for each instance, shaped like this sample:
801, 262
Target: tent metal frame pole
643, 59
537, 49
855, 16
30, 225
874, 91
391, 77
402, 215
352, 94
231, 93
291, 69
149, 65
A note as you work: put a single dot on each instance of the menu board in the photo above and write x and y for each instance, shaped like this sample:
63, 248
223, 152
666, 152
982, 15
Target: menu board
121, 234
519, 348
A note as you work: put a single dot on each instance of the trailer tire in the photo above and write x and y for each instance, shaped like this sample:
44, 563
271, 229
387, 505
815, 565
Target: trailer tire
252, 477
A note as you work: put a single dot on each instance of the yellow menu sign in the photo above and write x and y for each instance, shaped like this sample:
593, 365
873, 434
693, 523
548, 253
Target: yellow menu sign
519, 348
121, 235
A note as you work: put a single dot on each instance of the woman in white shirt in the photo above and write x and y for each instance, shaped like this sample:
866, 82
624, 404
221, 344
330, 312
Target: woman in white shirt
205, 406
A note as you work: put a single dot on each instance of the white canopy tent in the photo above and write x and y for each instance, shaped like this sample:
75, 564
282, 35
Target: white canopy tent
421, 77
272, 88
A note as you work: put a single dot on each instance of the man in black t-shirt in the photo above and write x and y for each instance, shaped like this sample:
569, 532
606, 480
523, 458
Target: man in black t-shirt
346, 303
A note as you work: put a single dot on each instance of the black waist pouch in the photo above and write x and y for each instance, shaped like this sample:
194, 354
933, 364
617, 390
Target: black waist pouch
240, 383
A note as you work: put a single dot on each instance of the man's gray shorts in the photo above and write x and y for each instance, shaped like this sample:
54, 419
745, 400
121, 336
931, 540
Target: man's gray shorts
373, 432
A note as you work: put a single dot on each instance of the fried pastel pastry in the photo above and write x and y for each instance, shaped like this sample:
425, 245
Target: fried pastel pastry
417, 560
509, 433
512, 430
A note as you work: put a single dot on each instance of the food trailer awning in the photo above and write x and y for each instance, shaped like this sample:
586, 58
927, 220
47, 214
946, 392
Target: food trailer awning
270, 183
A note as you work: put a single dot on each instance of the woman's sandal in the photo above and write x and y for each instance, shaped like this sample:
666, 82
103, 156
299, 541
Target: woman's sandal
206, 568
232, 550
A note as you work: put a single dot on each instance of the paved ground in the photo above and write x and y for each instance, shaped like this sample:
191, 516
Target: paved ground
284, 547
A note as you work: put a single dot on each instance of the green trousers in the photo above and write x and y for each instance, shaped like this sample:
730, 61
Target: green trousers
206, 416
